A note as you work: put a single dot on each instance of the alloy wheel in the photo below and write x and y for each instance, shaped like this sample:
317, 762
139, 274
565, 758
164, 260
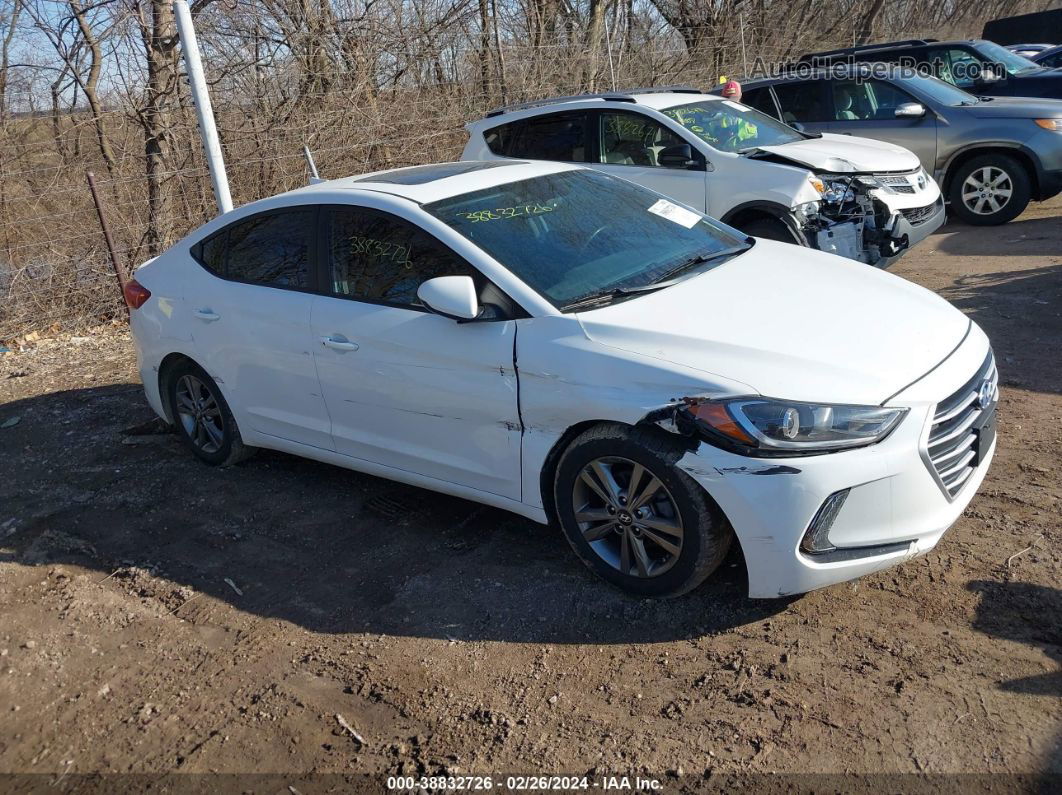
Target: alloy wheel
628, 516
987, 190
199, 413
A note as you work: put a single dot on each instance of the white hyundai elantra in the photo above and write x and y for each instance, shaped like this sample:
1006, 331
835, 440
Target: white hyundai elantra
572, 347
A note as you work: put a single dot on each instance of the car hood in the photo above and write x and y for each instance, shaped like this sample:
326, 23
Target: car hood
791, 323
846, 154
1015, 108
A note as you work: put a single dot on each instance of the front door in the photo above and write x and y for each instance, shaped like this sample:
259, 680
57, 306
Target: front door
628, 144
404, 387
867, 108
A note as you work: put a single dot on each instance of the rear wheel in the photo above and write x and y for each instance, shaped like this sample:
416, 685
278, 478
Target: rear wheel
633, 517
202, 417
989, 190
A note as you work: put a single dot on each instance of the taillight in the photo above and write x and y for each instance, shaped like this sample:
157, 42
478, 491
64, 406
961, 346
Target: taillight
135, 294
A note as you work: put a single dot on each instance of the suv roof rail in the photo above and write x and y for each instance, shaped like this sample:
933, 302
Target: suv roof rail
607, 96
867, 47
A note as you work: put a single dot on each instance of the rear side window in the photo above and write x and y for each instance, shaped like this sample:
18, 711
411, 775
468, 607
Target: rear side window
270, 249
554, 136
761, 100
500, 139
374, 256
801, 101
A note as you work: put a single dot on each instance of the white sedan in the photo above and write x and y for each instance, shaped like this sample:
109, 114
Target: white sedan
573, 347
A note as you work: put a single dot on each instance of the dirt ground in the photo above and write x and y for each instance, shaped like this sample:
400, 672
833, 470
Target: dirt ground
160, 616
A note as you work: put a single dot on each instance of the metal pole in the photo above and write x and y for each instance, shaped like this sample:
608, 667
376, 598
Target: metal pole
744, 55
203, 109
608, 43
314, 176
118, 272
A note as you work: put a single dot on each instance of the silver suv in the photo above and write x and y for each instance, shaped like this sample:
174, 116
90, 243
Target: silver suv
991, 155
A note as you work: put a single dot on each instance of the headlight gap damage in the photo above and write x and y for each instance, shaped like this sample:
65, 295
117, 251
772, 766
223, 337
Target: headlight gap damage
760, 427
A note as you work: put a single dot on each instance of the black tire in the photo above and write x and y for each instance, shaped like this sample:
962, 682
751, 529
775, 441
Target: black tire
1014, 175
225, 449
705, 533
771, 229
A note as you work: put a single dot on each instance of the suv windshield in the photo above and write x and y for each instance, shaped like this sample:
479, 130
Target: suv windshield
1014, 64
579, 235
938, 90
732, 127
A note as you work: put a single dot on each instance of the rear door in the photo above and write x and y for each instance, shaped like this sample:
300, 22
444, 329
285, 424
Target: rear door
250, 307
406, 388
627, 145
804, 102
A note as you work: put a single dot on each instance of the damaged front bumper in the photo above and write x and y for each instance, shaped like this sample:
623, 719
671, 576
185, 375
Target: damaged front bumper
862, 218
810, 521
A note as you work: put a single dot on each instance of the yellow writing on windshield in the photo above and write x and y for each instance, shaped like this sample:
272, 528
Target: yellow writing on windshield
506, 212
380, 249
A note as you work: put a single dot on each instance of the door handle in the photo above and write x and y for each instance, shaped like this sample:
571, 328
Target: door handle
339, 343
206, 314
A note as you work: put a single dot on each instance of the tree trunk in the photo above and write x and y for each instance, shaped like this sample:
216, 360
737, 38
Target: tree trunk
88, 85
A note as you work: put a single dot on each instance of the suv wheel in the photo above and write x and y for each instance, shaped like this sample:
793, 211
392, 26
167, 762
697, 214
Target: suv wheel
771, 229
634, 518
989, 190
202, 417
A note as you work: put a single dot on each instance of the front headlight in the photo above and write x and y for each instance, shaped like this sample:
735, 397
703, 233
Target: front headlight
765, 426
1050, 124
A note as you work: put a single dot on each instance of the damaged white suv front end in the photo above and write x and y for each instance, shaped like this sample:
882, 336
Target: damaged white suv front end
858, 198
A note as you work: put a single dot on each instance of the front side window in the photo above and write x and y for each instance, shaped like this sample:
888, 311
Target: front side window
861, 100
554, 136
270, 249
374, 256
631, 139
956, 66
731, 126
579, 234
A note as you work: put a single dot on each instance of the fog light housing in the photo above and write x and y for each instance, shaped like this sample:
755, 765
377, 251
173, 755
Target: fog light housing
816, 539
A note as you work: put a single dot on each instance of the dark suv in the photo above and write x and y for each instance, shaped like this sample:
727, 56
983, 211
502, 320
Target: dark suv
979, 66
990, 155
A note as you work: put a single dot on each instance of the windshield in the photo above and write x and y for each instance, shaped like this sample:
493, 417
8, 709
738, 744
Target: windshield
1011, 61
731, 126
579, 234
939, 91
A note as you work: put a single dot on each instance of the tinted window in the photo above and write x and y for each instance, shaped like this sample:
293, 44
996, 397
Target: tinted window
801, 101
631, 139
866, 99
555, 136
272, 249
578, 234
500, 139
1051, 61
761, 100
377, 257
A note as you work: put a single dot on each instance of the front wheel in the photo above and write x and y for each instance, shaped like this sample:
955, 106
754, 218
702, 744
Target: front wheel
771, 229
990, 189
633, 517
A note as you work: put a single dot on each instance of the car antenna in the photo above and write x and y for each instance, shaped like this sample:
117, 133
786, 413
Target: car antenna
315, 178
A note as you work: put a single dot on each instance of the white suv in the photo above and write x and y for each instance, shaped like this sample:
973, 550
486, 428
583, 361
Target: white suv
862, 199
575, 348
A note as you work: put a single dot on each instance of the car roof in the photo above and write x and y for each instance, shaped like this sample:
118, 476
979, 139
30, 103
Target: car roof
429, 183
655, 98
870, 49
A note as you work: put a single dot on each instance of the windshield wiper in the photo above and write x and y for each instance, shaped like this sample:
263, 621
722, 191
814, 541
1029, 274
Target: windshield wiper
665, 279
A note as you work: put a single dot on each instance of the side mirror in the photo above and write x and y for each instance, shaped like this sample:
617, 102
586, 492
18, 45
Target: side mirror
910, 110
677, 156
450, 296
797, 126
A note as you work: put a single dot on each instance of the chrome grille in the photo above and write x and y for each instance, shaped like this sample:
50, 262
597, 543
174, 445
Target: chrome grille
950, 449
897, 183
